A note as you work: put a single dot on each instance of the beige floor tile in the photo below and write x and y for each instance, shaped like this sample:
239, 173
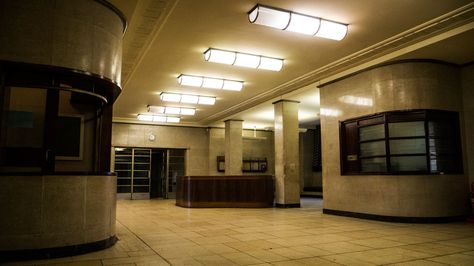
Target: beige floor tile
241, 258
140, 253
343, 259
455, 259
240, 246
214, 260
250, 236
341, 247
360, 234
435, 235
388, 255
266, 256
470, 253
184, 261
271, 236
289, 233
219, 248
290, 253
418, 263
377, 243
212, 240
435, 248
144, 259
408, 239
467, 243
316, 261
311, 251
78, 263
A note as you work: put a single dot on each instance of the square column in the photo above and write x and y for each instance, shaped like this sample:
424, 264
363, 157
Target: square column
287, 174
233, 147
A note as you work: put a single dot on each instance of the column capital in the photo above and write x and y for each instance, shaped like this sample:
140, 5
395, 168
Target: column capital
284, 100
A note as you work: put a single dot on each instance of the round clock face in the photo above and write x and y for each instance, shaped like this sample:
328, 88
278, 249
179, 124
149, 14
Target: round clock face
151, 137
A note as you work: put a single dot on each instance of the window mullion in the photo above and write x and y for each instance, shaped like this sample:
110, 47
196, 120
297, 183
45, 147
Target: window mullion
387, 145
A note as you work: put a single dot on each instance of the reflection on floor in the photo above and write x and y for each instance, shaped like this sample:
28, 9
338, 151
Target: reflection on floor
155, 232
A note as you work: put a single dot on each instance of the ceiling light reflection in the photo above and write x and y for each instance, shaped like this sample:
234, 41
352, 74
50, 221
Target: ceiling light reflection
329, 112
361, 101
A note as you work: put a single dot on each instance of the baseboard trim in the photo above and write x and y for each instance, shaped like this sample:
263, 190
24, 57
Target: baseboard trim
290, 205
57, 252
396, 219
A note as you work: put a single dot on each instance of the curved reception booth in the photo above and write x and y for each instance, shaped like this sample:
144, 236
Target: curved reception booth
56, 215
392, 144
60, 75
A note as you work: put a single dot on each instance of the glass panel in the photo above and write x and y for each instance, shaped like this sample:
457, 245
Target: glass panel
408, 163
439, 129
177, 152
141, 189
142, 152
123, 151
22, 131
140, 174
372, 132
122, 159
140, 181
374, 165
442, 164
142, 159
406, 129
123, 189
374, 148
407, 146
124, 182
122, 174
123, 166
441, 146
179, 160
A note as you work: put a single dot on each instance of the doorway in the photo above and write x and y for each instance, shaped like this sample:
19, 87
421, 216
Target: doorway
158, 173
144, 173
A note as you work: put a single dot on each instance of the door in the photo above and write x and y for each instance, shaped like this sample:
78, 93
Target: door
133, 167
158, 173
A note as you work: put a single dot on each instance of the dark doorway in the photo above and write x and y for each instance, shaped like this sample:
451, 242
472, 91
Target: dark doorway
158, 173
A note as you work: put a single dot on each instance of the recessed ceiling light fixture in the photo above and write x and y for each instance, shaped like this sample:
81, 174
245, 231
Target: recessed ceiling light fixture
171, 110
187, 98
291, 21
243, 59
211, 83
158, 118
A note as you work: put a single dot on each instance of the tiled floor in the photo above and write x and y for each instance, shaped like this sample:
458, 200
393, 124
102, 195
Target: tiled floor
156, 232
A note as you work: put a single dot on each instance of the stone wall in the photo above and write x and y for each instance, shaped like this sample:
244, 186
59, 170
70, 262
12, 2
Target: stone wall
399, 86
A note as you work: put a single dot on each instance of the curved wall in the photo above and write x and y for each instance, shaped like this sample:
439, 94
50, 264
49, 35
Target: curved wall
398, 86
55, 211
80, 35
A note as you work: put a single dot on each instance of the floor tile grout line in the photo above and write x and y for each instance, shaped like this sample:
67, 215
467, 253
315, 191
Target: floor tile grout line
133, 233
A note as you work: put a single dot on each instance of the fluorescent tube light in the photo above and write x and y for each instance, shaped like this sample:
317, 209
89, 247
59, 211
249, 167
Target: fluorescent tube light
211, 83
192, 99
242, 59
207, 100
291, 21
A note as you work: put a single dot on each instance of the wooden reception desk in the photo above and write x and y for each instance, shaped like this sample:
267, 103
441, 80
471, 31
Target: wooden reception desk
225, 191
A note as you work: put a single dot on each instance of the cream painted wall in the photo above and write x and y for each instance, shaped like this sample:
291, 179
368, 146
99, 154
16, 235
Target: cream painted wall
468, 104
195, 140
400, 86
260, 147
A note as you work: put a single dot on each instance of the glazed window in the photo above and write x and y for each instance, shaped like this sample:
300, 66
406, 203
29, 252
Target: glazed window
402, 142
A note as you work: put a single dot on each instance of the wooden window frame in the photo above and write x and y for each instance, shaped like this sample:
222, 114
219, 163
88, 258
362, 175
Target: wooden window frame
350, 152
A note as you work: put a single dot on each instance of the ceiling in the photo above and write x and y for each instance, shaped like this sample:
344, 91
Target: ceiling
166, 38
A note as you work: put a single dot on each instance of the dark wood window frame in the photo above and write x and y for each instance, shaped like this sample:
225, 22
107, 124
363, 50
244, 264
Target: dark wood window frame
350, 143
